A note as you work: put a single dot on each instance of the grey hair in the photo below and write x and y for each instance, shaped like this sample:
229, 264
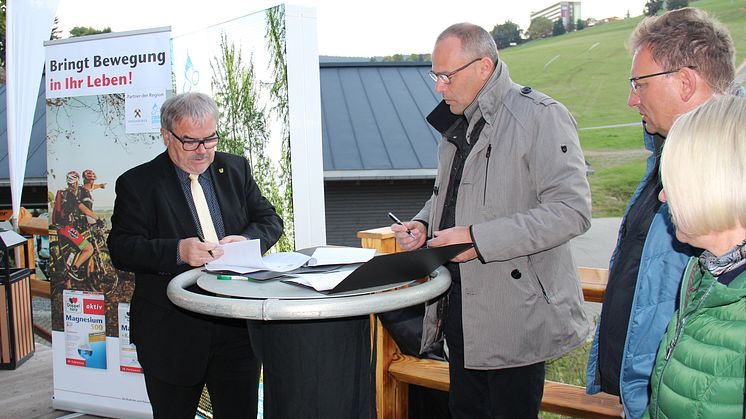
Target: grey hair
475, 41
198, 107
689, 37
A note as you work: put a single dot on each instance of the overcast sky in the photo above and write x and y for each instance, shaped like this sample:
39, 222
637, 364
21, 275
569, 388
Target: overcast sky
345, 27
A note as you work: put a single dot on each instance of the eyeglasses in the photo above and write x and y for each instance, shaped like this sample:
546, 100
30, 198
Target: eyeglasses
633, 80
445, 78
189, 144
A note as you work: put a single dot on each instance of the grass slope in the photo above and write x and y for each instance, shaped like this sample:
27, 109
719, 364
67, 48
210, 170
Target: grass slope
588, 72
591, 71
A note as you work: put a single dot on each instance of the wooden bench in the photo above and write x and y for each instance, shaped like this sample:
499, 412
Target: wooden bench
395, 371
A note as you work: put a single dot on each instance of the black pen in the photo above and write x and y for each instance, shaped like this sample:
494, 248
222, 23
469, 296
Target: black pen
396, 220
209, 251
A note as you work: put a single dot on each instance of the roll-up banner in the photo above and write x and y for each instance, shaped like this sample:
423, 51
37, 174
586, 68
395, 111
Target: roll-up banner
104, 94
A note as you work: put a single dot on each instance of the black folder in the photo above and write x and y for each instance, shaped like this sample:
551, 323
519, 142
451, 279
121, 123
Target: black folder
399, 267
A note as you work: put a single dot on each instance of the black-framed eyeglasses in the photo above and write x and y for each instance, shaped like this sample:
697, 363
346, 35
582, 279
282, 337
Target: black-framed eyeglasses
633, 80
445, 78
190, 144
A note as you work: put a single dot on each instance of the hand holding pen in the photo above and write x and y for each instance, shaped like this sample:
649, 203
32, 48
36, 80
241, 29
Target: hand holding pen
203, 240
397, 221
410, 241
194, 251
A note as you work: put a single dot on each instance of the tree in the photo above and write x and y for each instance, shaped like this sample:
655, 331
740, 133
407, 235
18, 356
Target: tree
281, 187
580, 25
87, 30
506, 34
541, 27
571, 26
676, 4
652, 7
56, 31
558, 28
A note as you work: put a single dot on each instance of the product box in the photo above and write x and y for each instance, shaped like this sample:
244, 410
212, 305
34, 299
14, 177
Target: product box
127, 351
85, 328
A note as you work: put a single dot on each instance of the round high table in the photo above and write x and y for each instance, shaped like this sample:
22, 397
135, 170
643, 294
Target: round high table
280, 301
306, 329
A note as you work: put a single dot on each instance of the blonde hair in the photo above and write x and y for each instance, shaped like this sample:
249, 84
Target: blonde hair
703, 167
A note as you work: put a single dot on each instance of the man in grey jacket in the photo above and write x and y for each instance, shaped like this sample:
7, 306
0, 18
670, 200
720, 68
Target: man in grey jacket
511, 180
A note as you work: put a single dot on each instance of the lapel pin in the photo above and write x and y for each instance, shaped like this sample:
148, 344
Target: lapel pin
563, 148
221, 170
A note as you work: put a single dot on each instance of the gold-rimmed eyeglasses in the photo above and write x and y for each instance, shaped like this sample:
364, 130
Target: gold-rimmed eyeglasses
191, 144
445, 78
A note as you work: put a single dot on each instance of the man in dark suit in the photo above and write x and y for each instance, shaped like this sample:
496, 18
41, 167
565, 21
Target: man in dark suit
161, 227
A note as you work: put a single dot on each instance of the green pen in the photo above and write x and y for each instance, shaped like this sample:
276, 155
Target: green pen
229, 277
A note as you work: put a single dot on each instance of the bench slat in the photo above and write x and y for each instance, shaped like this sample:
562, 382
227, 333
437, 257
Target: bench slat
567, 399
422, 372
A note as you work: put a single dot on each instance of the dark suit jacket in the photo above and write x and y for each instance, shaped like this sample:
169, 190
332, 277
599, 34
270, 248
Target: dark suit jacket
150, 216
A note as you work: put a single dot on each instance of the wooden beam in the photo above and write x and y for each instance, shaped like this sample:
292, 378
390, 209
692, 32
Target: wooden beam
40, 288
422, 372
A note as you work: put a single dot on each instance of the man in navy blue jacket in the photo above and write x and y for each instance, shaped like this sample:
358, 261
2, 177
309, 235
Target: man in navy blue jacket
681, 60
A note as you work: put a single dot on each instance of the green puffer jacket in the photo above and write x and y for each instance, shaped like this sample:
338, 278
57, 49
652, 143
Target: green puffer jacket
699, 369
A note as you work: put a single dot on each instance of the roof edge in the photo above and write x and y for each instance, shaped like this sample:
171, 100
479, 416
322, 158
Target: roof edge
388, 174
427, 64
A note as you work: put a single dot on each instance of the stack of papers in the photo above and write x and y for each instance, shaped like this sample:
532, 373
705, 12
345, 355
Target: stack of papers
322, 281
245, 257
333, 270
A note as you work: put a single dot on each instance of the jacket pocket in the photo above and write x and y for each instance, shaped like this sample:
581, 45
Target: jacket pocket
536, 280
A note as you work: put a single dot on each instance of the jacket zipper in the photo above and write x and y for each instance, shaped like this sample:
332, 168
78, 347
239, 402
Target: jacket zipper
486, 173
672, 345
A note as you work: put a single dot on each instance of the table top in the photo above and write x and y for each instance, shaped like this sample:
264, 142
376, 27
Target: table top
275, 300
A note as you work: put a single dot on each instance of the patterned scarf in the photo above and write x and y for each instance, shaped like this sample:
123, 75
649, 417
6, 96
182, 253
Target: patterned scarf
734, 258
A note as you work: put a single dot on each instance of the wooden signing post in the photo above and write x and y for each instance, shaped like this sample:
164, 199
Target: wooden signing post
395, 371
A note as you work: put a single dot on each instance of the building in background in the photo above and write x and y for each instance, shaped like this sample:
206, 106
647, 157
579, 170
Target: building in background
568, 11
380, 154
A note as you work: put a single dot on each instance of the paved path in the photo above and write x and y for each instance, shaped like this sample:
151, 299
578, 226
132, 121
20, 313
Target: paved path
629, 124
593, 249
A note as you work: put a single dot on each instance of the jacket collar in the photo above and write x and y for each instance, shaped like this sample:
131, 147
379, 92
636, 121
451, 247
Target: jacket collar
490, 98
486, 104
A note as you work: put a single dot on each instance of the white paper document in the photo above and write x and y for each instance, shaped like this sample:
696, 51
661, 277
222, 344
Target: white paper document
340, 256
245, 257
323, 281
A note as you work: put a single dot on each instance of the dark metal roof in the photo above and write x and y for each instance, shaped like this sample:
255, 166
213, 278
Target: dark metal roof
373, 120
373, 124
36, 163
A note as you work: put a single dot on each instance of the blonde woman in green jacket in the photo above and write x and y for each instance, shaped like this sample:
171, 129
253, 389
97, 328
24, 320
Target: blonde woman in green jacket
699, 369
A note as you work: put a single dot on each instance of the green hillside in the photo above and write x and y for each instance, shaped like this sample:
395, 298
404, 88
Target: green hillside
588, 71
592, 80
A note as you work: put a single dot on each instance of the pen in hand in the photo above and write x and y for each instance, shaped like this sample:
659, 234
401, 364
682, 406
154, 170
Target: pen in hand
397, 221
209, 251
